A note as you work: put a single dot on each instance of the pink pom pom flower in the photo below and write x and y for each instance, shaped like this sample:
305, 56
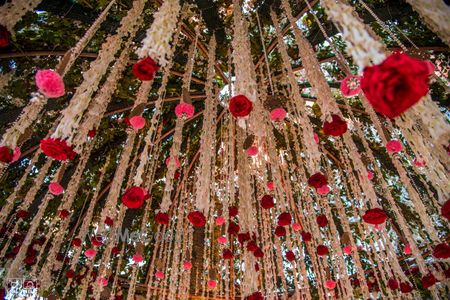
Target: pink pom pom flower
184, 110
137, 122
90, 253
220, 220
278, 114
187, 265
222, 240
369, 175
330, 284
316, 138
296, 227
270, 185
348, 249
159, 275
394, 146
350, 86
137, 258
212, 284
252, 151
55, 188
49, 83
323, 190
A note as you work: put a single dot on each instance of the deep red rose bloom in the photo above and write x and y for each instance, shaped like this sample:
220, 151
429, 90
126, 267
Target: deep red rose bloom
233, 228
91, 133
355, 282
255, 296
322, 221
252, 246
317, 180
396, 84
445, 210
232, 211
284, 219
115, 250
227, 254
442, 251
258, 253
76, 242
6, 154
267, 202
97, 240
4, 36
30, 260
280, 231
375, 216
108, 221
243, 237
393, 284
145, 69
70, 274
64, 213
197, 218
405, 287
134, 197
162, 218
322, 250
336, 127
57, 149
176, 175
306, 236
428, 280
256, 267
290, 256
22, 214
240, 106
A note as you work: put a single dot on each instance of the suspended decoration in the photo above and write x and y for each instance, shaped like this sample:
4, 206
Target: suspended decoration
203, 159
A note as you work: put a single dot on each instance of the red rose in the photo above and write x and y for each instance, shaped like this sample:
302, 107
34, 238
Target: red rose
396, 84
256, 267
134, 197
258, 253
240, 106
76, 242
6, 154
405, 287
70, 274
255, 296
428, 280
176, 175
197, 218
227, 254
267, 202
317, 180
162, 218
97, 240
322, 221
393, 284
64, 213
284, 219
30, 260
243, 237
442, 251
280, 231
306, 236
322, 250
375, 216
108, 221
445, 210
336, 127
232, 211
251, 246
290, 256
145, 69
4, 36
233, 228
91, 133
22, 214
115, 250
57, 149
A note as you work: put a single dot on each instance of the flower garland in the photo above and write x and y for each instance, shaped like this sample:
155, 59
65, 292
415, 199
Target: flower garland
14, 11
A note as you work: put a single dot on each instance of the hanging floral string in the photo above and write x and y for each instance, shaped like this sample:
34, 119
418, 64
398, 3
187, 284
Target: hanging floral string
13, 12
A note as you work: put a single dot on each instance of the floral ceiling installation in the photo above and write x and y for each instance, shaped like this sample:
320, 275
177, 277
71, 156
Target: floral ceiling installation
192, 149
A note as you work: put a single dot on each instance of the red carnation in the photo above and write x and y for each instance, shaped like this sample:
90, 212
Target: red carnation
442, 251
76, 242
243, 237
306, 236
322, 221
134, 197
64, 213
255, 296
162, 218
258, 253
336, 127
280, 231
393, 284
375, 216
252, 246
322, 250
57, 149
317, 180
227, 254
240, 106
405, 287
22, 214
428, 280
284, 219
4, 36
197, 218
70, 274
267, 202
145, 69
290, 256
396, 84
233, 228
232, 211
445, 210
108, 221
6, 154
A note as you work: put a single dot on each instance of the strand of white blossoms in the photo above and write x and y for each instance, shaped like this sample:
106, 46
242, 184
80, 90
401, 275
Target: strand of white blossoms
12, 13
157, 42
